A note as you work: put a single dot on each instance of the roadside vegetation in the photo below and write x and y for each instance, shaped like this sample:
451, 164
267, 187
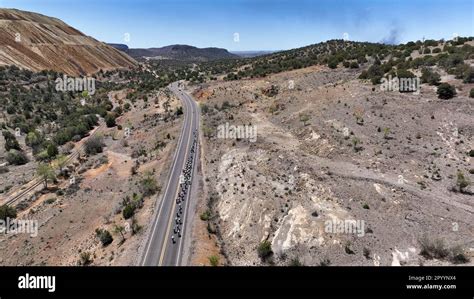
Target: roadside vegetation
437, 249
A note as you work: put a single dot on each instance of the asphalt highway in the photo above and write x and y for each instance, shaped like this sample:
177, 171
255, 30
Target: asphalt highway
166, 240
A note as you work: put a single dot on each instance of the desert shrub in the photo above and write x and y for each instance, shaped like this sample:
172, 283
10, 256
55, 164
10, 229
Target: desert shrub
11, 109
211, 228
118, 110
136, 228
91, 120
471, 93
128, 211
436, 50
449, 62
458, 256
131, 205
332, 63
375, 71
354, 65
446, 91
437, 249
364, 75
469, 75
159, 144
214, 260
16, 157
461, 72
429, 76
33, 139
63, 136
104, 236
85, 258
461, 181
264, 250
10, 141
52, 150
148, 185
403, 73
110, 120
7, 212
94, 145
207, 131
304, 118
430, 43
361, 59
356, 144
431, 249
375, 80
204, 108
205, 216
42, 155
387, 67
139, 151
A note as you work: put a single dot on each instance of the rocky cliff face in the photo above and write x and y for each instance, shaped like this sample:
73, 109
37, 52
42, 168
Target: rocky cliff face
37, 42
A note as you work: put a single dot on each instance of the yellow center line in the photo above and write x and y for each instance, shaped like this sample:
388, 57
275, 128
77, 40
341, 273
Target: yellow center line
163, 247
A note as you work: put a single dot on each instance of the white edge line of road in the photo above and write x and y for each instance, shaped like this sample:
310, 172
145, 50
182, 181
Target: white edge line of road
148, 246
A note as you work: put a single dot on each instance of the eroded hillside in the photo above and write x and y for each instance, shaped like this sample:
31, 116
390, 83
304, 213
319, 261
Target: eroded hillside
331, 147
36, 42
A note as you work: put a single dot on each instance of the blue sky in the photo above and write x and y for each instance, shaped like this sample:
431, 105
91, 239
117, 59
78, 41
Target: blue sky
261, 24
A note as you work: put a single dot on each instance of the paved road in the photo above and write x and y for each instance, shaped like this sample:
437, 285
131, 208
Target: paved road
160, 250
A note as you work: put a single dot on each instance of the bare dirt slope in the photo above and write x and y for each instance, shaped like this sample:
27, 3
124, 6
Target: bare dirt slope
37, 42
331, 147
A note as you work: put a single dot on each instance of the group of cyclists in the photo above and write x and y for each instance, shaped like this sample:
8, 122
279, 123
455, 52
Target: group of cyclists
185, 183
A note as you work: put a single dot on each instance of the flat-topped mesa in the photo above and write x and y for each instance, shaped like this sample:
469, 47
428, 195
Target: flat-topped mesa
37, 42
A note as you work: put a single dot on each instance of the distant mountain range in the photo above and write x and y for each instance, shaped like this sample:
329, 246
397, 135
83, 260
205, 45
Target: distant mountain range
249, 54
177, 52
37, 42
